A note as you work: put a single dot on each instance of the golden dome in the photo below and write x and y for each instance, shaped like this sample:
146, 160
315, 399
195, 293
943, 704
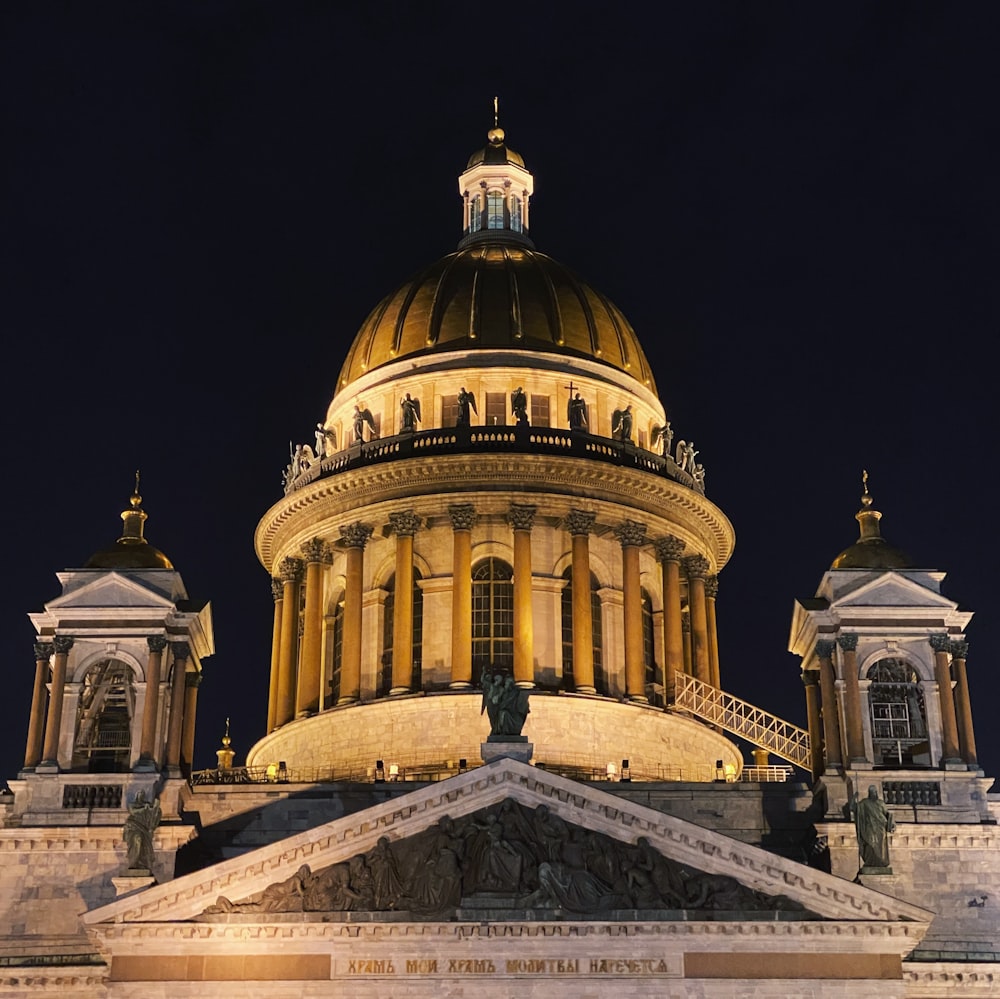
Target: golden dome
131, 550
496, 296
495, 152
871, 550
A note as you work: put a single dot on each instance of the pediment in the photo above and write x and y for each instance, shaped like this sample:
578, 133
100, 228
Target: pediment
417, 816
891, 589
110, 590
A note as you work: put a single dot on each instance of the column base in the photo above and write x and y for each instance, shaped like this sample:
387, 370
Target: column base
585, 688
638, 698
396, 691
955, 765
145, 766
347, 700
525, 684
460, 685
47, 767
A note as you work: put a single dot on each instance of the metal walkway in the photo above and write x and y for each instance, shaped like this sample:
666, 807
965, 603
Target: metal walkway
743, 719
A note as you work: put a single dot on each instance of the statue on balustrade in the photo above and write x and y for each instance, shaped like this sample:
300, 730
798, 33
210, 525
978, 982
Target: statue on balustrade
621, 423
505, 704
362, 418
662, 438
409, 414
466, 402
143, 818
519, 406
874, 823
576, 413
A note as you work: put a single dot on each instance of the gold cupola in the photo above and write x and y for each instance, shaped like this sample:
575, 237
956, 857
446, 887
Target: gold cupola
871, 550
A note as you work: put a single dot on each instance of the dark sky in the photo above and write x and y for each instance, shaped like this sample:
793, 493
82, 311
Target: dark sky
795, 205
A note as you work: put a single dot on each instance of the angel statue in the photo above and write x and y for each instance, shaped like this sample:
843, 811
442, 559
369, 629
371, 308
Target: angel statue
466, 400
621, 423
519, 406
686, 454
362, 417
663, 436
505, 704
576, 413
409, 414
326, 441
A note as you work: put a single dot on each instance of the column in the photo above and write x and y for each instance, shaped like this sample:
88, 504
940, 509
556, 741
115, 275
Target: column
711, 592
852, 699
355, 538
404, 525
520, 519
631, 535
272, 693
175, 727
308, 697
579, 524
669, 551
36, 720
147, 741
829, 710
53, 721
941, 644
463, 516
192, 681
290, 572
810, 681
697, 570
963, 704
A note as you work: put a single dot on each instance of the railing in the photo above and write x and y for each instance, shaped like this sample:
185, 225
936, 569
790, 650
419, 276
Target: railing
743, 719
507, 439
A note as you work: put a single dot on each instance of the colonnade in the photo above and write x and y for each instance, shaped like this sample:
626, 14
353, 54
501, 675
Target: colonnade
45, 720
836, 728
297, 674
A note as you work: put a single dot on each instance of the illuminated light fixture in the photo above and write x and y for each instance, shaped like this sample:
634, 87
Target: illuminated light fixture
720, 772
379, 771
626, 772
730, 770
282, 772
463, 765
272, 773
393, 771
612, 771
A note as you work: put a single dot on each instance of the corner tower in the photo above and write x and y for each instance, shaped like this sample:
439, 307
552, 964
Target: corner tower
495, 485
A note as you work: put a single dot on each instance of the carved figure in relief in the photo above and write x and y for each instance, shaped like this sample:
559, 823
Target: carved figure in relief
409, 414
466, 402
519, 406
387, 885
143, 818
874, 823
576, 413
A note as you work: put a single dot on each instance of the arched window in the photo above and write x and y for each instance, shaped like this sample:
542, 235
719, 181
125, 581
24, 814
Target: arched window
475, 213
596, 634
515, 213
494, 210
337, 657
899, 722
104, 715
649, 645
492, 616
388, 619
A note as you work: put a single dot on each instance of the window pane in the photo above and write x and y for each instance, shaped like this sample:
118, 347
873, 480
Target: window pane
540, 411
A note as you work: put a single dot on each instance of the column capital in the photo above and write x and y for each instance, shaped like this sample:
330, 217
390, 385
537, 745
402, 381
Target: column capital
711, 587
156, 643
848, 642
192, 679
825, 647
521, 516
43, 651
940, 643
405, 523
316, 550
463, 516
290, 570
631, 534
696, 566
181, 651
63, 644
810, 677
277, 590
356, 535
579, 521
960, 650
669, 549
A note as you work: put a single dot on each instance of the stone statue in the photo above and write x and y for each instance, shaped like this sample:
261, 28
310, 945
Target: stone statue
409, 414
576, 413
505, 703
662, 438
143, 818
326, 441
873, 822
621, 423
466, 401
519, 406
686, 454
699, 476
361, 418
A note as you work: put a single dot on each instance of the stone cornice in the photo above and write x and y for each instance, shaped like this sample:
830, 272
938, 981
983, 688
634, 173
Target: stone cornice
423, 482
714, 853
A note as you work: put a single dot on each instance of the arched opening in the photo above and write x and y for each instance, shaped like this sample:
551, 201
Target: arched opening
653, 677
515, 213
492, 616
103, 742
337, 651
596, 634
475, 213
899, 721
388, 621
495, 210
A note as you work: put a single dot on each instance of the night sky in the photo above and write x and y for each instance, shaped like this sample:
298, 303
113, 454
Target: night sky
795, 205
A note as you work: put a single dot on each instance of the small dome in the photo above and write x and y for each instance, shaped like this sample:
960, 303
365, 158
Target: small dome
496, 297
871, 550
131, 550
495, 152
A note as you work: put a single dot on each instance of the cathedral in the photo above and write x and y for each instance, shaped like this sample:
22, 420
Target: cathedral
499, 756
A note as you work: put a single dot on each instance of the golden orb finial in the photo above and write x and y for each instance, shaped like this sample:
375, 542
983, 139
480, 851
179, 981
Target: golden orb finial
866, 497
496, 133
